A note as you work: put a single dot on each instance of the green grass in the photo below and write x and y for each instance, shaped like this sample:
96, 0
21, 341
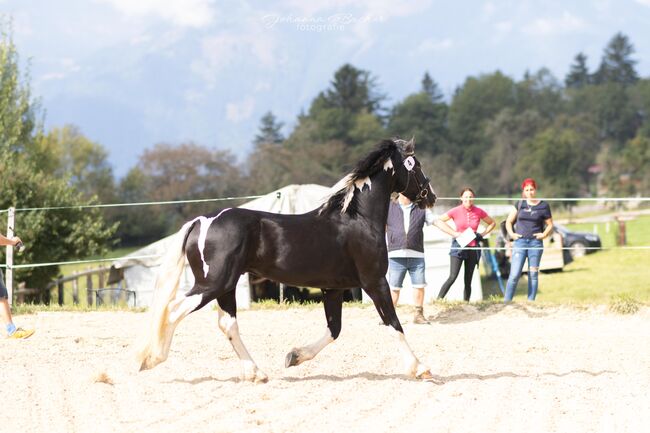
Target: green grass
615, 277
597, 278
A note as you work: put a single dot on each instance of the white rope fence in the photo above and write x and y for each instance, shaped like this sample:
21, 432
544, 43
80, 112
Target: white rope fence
249, 197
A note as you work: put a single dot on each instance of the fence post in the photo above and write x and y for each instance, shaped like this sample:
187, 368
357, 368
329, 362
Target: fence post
60, 290
89, 289
9, 277
75, 290
621, 239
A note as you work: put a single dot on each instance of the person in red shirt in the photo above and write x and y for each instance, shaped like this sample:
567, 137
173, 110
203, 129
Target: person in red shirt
464, 216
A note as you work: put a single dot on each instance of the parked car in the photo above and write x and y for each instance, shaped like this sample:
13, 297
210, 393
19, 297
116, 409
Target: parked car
581, 243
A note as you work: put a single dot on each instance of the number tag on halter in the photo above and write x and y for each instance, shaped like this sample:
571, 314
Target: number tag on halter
409, 163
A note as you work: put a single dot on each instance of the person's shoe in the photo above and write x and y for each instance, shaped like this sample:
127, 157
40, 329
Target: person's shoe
419, 318
21, 333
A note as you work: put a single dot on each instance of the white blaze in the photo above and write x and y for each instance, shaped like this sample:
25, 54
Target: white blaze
203, 233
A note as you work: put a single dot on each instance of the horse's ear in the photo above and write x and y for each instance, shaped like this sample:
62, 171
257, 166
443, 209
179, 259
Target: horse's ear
409, 147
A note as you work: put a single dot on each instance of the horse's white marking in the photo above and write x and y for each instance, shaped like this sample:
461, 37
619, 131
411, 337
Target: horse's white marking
228, 325
203, 233
182, 306
388, 165
348, 183
359, 183
309, 352
412, 364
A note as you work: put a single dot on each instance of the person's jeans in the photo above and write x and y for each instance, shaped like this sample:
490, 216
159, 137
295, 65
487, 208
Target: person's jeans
397, 268
523, 249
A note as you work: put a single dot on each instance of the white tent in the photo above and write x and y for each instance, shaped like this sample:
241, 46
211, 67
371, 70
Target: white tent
141, 267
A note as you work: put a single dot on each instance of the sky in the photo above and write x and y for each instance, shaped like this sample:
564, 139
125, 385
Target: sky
133, 73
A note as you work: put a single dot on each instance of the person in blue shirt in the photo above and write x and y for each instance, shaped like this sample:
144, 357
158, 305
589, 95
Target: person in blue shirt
534, 223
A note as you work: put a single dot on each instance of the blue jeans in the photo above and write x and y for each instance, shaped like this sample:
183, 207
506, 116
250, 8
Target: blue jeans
522, 249
397, 267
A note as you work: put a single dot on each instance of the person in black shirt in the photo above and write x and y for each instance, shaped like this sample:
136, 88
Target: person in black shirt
534, 223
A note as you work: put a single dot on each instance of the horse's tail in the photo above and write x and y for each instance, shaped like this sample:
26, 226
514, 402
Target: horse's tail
152, 347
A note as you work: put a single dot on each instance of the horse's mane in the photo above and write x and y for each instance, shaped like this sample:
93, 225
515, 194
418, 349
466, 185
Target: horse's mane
344, 199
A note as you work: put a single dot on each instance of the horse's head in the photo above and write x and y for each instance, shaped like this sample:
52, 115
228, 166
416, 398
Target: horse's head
411, 181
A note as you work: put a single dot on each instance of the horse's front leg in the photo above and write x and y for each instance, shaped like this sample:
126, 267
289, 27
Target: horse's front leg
333, 302
380, 295
227, 320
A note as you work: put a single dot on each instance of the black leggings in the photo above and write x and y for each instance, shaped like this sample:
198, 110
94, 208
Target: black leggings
454, 268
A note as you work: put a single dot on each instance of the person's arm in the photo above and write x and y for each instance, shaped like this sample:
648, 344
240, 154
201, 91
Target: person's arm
6, 241
510, 220
547, 231
441, 223
490, 225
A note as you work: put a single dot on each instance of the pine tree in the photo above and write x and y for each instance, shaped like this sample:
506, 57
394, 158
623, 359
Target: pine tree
617, 66
578, 77
269, 131
430, 87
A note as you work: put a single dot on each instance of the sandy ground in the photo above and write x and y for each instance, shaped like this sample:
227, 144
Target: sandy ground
508, 369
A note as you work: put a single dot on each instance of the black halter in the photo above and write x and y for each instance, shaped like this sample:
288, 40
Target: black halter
421, 183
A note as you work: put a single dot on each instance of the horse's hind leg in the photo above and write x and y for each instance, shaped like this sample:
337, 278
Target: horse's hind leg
380, 295
333, 302
177, 310
227, 311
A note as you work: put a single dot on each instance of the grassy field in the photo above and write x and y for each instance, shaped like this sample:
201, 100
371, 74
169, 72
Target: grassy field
600, 277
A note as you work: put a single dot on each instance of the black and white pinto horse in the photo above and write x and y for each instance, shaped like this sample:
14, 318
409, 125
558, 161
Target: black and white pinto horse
338, 246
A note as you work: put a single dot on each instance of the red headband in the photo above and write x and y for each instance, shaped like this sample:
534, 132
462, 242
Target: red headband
528, 181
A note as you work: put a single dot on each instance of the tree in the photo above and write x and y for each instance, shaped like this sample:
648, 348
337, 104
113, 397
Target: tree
352, 92
54, 235
616, 65
636, 160
507, 132
70, 155
540, 92
424, 119
176, 172
477, 101
18, 111
578, 77
553, 157
139, 225
430, 87
269, 131
51, 235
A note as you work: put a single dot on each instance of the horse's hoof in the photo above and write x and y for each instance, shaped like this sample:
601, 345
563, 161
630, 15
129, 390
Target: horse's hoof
144, 366
291, 359
425, 375
261, 378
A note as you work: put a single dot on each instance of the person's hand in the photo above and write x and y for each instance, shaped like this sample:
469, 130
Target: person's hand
515, 236
15, 240
539, 236
479, 237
